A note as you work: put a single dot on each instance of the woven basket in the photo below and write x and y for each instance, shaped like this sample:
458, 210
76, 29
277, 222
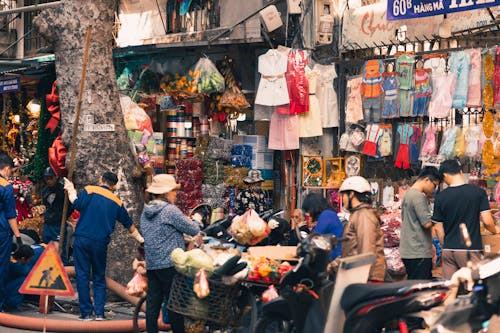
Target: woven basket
219, 307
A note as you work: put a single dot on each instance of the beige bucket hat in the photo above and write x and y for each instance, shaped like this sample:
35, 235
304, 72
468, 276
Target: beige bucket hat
163, 183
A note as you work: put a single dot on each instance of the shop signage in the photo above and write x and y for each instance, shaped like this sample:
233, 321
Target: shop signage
10, 85
99, 127
368, 25
406, 9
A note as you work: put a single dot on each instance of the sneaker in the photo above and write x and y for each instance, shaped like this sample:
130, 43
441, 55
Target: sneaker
100, 318
85, 318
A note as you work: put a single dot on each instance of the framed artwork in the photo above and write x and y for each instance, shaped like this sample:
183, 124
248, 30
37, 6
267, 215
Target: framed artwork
353, 165
312, 171
334, 172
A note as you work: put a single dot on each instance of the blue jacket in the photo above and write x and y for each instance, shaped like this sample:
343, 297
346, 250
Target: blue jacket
17, 269
99, 210
329, 223
7, 206
163, 226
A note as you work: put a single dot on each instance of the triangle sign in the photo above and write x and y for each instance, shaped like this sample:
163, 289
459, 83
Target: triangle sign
48, 276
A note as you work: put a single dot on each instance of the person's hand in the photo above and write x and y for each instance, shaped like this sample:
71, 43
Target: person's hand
137, 236
18, 244
464, 275
70, 189
273, 224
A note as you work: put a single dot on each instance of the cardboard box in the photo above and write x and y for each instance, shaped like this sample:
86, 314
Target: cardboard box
491, 244
263, 161
274, 252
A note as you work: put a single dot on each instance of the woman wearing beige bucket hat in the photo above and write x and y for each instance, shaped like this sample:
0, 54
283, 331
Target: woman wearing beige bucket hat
253, 197
163, 226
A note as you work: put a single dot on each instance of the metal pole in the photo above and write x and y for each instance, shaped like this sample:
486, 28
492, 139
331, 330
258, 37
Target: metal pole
75, 135
30, 8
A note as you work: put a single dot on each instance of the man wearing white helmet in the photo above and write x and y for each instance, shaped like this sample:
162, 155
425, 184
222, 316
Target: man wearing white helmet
362, 232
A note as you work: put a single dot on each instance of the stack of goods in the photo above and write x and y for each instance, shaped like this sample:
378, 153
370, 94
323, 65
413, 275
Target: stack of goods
241, 156
213, 170
201, 148
214, 195
190, 176
234, 176
391, 227
219, 148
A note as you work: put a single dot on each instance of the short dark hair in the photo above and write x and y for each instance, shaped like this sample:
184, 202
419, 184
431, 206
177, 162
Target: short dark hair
315, 204
24, 252
110, 178
451, 167
5, 160
431, 173
365, 197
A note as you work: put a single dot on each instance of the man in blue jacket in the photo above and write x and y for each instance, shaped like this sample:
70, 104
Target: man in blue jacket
99, 210
8, 222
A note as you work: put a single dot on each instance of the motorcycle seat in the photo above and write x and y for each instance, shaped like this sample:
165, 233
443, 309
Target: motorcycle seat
358, 293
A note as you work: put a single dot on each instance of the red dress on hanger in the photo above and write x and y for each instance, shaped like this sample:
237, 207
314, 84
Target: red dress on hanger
298, 87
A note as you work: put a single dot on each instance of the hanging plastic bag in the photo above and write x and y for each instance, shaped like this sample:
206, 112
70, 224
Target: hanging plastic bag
137, 286
208, 78
200, 286
234, 98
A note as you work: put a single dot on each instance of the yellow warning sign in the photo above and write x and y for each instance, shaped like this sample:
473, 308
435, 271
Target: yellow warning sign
48, 276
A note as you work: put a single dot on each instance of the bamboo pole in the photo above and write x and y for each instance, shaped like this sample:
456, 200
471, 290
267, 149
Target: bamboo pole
74, 135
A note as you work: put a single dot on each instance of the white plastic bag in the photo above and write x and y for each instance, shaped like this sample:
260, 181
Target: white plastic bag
208, 78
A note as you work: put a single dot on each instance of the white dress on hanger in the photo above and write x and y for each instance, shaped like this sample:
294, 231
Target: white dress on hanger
308, 121
327, 96
272, 89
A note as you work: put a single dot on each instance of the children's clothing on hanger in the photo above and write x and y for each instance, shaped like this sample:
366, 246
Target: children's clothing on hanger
404, 66
283, 132
403, 156
354, 105
405, 103
460, 66
272, 86
373, 133
308, 121
371, 90
422, 92
390, 86
473, 137
442, 96
414, 143
384, 144
474, 89
436, 65
298, 87
429, 147
448, 146
388, 196
327, 96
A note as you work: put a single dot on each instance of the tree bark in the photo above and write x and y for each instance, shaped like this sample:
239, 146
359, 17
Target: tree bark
65, 27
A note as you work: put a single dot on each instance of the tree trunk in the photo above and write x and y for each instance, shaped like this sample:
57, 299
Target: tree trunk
65, 27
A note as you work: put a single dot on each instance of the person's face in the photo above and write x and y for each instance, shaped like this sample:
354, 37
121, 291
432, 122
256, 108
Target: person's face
171, 196
430, 186
51, 181
297, 217
6, 171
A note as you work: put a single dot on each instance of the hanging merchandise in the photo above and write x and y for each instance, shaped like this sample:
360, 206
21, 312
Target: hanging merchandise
415, 143
390, 87
384, 144
403, 156
388, 196
371, 90
459, 149
271, 18
352, 139
473, 138
232, 98
496, 79
423, 90
272, 89
294, 6
326, 22
296, 80
373, 133
327, 96
308, 121
284, 132
488, 73
488, 124
442, 96
435, 62
354, 104
208, 79
460, 66
447, 148
474, 89
404, 66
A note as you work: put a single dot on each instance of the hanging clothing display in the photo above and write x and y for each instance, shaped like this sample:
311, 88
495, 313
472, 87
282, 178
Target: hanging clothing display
414, 143
388, 196
474, 89
354, 104
448, 145
308, 121
390, 86
436, 63
283, 132
272, 86
371, 90
403, 156
404, 66
327, 96
460, 66
422, 91
429, 147
298, 87
384, 144
474, 137
442, 97
373, 133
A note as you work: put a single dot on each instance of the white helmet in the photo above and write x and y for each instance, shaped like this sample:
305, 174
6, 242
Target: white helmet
356, 184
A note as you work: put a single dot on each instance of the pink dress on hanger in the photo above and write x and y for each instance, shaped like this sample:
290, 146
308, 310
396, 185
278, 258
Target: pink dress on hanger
354, 106
284, 132
474, 91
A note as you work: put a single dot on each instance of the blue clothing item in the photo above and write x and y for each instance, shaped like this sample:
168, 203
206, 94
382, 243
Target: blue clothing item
7, 206
89, 254
99, 210
390, 86
460, 66
371, 110
391, 108
419, 106
405, 103
5, 249
163, 226
329, 223
51, 233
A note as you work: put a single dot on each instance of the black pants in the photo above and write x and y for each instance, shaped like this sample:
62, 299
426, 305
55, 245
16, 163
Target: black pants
159, 283
418, 269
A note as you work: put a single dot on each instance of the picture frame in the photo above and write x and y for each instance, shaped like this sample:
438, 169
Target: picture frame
353, 165
334, 172
312, 171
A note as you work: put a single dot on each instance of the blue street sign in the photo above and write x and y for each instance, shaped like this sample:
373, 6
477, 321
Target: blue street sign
10, 85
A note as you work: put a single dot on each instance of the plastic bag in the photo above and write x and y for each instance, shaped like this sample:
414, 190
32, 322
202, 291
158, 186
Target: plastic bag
249, 228
137, 286
200, 286
269, 294
208, 78
135, 117
234, 98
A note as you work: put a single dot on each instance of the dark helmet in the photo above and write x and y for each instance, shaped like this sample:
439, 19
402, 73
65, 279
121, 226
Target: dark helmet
49, 172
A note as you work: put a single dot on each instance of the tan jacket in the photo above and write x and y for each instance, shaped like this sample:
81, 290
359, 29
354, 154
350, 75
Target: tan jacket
364, 235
